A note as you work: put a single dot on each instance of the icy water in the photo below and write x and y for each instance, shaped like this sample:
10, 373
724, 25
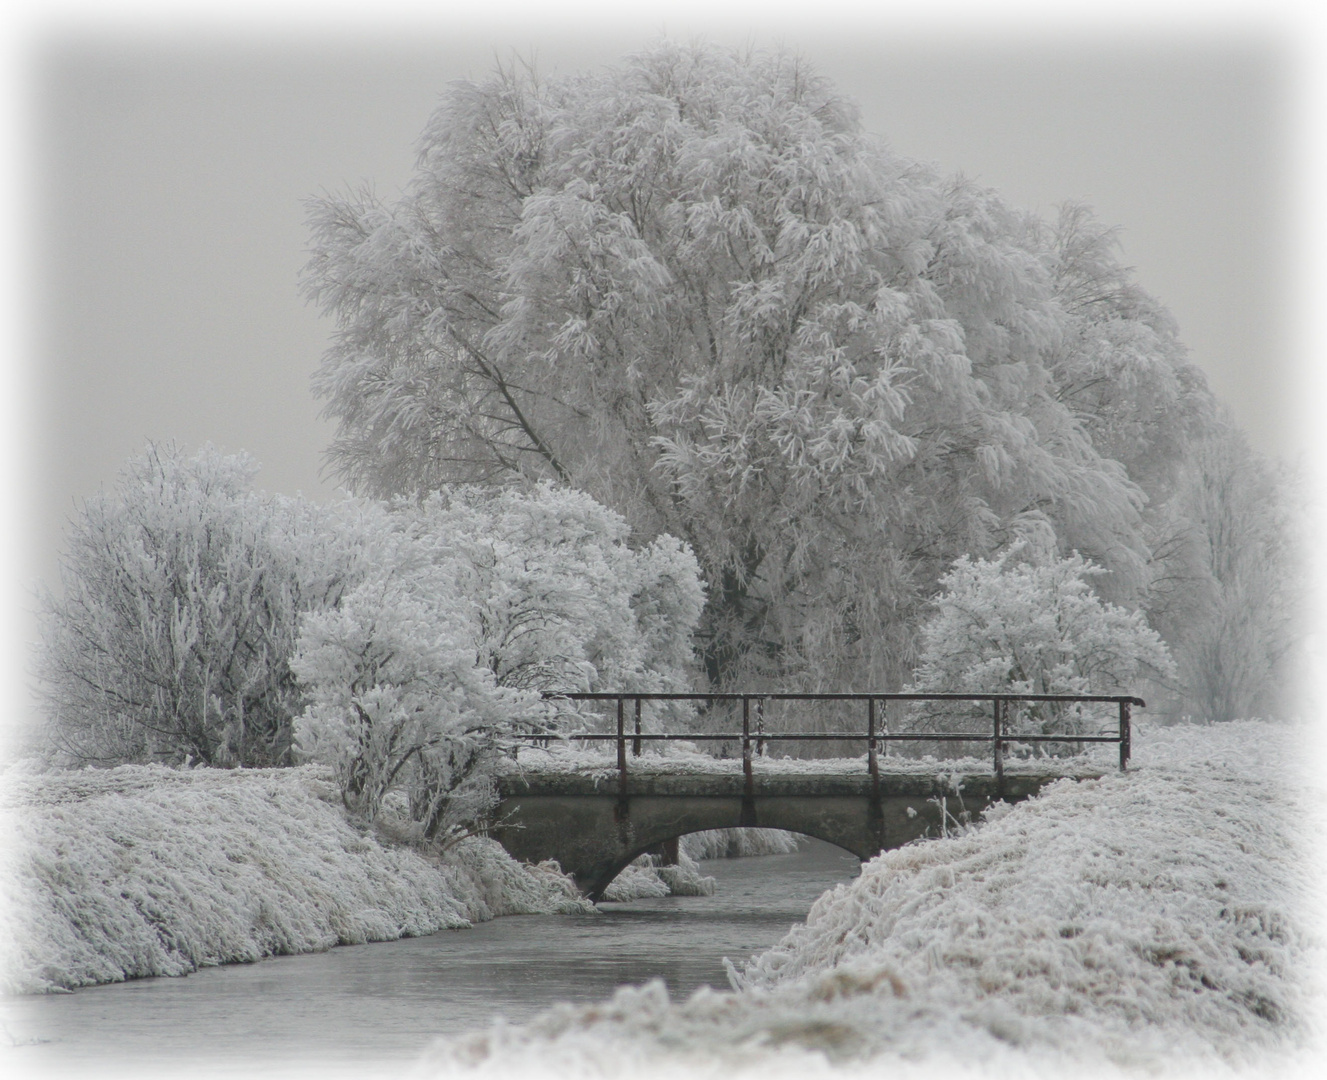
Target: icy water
360, 1005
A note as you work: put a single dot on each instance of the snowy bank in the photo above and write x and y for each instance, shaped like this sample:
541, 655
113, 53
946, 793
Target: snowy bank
1159, 919
120, 873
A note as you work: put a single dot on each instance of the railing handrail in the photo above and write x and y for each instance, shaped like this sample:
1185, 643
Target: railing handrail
806, 736
999, 737
631, 695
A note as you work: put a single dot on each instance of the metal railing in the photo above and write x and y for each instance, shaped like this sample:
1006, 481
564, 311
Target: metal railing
999, 736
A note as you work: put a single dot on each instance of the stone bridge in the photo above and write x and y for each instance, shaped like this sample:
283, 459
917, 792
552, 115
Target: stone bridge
594, 828
594, 825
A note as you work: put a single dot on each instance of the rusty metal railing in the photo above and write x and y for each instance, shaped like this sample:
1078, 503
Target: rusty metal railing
999, 737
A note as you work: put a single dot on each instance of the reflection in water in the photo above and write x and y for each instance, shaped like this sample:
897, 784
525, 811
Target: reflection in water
386, 1001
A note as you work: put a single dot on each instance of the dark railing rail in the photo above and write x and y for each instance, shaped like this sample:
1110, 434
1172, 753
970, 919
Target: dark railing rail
998, 736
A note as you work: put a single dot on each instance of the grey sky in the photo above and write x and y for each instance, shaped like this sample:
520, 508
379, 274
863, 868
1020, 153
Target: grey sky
170, 228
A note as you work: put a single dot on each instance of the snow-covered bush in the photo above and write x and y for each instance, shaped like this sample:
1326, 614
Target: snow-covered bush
1029, 623
182, 591
397, 700
647, 877
472, 603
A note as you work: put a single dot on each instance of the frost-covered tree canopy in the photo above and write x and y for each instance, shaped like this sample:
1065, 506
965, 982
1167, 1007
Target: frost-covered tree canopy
692, 286
1027, 622
1232, 596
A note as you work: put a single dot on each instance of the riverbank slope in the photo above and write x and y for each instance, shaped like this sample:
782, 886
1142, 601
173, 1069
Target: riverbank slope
112, 874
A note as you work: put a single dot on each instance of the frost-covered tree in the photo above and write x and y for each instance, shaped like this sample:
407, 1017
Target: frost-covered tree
1231, 602
693, 287
472, 603
1028, 622
182, 591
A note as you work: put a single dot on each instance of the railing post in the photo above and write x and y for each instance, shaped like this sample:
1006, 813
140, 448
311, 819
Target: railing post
884, 723
746, 742
635, 744
748, 782
995, 741
872, 764
874, 813
1126, 733
622, 746
760, 727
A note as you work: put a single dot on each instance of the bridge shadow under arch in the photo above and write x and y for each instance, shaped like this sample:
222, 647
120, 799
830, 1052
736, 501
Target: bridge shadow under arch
667, 852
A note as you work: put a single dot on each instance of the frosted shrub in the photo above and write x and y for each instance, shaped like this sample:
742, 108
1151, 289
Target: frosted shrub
182, 593
735, 843
1030, 623
475, 603
396, 699
646, 877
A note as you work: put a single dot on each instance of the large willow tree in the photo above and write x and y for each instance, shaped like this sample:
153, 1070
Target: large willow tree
692, 286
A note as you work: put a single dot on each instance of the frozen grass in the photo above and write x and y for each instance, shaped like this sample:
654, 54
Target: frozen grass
1160, 921
120, 873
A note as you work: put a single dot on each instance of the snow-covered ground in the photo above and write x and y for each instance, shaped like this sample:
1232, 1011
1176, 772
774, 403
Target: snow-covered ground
119, 873
1161, 921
